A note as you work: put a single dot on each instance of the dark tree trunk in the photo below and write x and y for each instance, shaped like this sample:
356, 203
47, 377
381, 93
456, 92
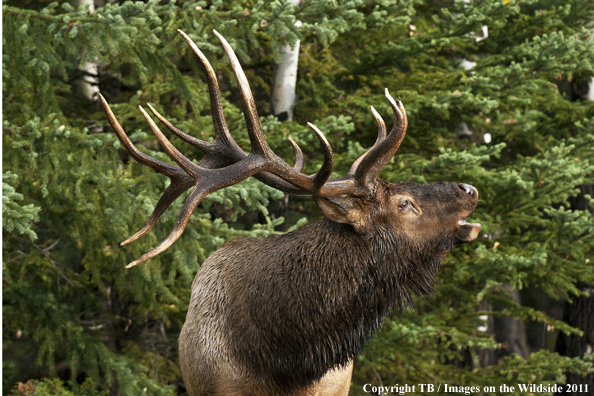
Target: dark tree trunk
580, 315
510, 332
541, 335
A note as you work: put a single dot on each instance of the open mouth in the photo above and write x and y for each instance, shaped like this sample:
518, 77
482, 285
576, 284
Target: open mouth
467, 232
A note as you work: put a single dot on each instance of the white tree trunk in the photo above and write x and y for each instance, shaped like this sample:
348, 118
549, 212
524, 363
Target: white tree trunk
88, 84
285, 80
590, 94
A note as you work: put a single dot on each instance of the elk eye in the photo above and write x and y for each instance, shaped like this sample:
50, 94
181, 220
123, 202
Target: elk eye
403, 205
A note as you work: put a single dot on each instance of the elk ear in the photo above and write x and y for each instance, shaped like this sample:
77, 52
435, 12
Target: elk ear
338, 209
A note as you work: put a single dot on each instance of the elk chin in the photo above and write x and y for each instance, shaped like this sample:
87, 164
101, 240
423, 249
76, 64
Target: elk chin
467, 232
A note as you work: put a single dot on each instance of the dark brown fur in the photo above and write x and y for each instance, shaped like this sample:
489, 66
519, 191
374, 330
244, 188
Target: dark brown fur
282, 311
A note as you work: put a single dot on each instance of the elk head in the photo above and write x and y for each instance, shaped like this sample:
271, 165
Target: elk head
421, 217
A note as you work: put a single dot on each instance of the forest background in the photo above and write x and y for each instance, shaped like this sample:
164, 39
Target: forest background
496, 94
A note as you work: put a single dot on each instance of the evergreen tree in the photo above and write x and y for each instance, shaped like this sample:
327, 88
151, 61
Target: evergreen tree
77, 321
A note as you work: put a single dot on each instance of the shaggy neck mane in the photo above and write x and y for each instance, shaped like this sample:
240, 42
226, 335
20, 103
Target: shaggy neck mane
325, 293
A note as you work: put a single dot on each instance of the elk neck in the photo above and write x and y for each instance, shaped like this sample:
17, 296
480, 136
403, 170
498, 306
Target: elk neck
318, 294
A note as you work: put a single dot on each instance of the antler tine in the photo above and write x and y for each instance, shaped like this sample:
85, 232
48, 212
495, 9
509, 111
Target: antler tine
381, 136
155, 164
171, 194
180, 224
180, 181
188, 166
326, 170
216, 102
381, 126
379, 156
298, 156
250, 112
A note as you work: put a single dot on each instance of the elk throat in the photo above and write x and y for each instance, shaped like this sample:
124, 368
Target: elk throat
309, 300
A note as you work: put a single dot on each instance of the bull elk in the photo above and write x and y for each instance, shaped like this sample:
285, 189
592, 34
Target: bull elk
287, 314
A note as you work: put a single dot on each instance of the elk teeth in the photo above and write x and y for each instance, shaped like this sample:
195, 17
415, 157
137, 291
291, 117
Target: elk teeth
464, 222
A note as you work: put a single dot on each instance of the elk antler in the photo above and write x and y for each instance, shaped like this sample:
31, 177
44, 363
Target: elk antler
225, 163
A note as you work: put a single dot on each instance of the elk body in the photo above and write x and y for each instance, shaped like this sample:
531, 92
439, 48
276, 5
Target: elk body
287, 314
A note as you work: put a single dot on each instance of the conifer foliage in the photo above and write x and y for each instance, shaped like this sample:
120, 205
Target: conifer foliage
75, 321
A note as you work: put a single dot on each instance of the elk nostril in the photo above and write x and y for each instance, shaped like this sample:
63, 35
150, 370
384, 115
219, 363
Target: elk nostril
467, 188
